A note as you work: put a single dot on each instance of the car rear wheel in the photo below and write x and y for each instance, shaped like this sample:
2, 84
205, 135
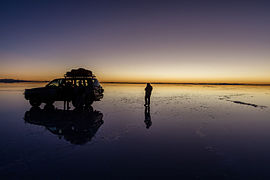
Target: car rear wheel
35, 102
77, 103
89, 102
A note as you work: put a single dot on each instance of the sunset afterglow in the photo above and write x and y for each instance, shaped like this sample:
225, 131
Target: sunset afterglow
178, 42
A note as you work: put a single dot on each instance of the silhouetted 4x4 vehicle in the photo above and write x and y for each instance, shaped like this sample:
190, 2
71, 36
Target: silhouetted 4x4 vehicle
79, 86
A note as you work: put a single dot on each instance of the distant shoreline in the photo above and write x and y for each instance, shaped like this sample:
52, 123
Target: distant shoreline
235, 84
107, 82
19, 81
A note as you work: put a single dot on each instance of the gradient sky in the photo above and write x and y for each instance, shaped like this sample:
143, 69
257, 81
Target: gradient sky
142, 40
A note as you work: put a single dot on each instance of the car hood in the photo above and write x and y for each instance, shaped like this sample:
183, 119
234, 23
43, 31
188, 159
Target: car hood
34, 89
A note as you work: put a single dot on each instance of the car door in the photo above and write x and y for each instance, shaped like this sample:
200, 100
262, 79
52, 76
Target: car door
53, 90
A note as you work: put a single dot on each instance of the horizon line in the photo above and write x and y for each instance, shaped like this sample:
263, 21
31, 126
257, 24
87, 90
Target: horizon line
251, 84
126, 82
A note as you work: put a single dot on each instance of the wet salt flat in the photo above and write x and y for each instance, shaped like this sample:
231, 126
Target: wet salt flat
190, 132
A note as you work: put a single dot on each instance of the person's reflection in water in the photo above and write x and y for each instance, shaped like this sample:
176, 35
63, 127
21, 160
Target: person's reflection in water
148, 91
147, 118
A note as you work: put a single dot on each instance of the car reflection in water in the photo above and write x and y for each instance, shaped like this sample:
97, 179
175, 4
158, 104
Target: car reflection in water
76, 126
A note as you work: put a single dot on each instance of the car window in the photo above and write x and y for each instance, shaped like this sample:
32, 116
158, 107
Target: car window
86, 82
61, 82
69, 83
79, 83
54, 83
96, 83
89, 82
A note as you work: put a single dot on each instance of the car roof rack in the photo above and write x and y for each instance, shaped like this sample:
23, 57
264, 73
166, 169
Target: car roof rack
79, 74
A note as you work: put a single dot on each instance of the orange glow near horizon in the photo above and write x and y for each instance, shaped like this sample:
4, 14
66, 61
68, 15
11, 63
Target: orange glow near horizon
128, 75
151, 67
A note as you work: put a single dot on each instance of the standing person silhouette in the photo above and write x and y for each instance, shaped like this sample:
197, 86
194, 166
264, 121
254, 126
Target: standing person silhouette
148, 91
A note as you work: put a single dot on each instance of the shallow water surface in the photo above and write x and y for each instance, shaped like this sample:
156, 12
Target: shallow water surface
189, 132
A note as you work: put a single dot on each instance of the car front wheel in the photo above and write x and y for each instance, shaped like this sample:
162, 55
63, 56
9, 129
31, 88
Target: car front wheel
35, 102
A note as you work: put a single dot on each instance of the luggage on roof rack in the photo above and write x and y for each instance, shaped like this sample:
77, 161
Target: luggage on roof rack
81, 72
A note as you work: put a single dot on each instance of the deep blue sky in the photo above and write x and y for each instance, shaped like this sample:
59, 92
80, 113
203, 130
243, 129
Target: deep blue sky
133, 35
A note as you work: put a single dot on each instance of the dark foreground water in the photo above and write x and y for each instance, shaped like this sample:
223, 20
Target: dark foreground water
190, 132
